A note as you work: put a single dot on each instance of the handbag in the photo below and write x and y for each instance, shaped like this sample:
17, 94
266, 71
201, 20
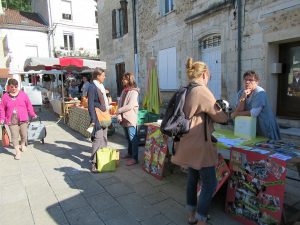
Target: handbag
107, 159
5, 137
104, 118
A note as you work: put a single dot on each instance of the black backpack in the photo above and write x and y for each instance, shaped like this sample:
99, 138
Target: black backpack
174, 123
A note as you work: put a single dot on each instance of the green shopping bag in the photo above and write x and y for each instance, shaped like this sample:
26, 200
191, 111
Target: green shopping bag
107, 159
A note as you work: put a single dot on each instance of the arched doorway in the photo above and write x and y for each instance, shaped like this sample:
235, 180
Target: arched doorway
210, 53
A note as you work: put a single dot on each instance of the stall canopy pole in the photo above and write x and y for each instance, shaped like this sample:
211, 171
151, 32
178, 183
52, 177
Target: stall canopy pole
63, 96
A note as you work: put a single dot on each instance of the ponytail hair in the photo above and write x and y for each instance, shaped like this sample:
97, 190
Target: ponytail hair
195, 69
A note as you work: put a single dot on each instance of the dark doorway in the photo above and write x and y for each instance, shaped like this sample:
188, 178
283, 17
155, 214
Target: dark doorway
289, 81
120, 70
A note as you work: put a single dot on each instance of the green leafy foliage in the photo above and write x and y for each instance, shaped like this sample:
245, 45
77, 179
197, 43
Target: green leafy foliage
22, 5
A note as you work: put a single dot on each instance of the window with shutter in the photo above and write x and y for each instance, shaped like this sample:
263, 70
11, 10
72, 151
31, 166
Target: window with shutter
120, 21
68, 42
66, 10
166, 6
167, 70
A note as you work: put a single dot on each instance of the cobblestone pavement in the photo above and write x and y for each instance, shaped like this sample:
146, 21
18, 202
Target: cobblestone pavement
52, 184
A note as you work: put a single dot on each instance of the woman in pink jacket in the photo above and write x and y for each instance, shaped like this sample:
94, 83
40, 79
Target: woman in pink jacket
15, 107
128, 115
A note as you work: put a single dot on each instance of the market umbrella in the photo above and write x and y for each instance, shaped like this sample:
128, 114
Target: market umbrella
69, 64
152, 100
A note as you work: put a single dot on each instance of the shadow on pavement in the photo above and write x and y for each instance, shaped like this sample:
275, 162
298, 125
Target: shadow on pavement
75, 152
86, 203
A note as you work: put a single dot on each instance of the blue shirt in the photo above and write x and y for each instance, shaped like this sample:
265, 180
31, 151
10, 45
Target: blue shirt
266, 121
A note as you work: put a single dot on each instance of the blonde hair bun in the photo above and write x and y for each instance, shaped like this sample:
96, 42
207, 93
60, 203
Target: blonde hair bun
194, 69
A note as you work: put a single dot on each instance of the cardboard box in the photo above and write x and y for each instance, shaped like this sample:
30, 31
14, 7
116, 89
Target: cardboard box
245, 127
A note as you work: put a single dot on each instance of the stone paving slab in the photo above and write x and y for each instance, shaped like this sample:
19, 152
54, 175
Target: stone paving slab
55, 187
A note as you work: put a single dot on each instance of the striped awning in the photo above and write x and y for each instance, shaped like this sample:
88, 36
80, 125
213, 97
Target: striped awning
68, 64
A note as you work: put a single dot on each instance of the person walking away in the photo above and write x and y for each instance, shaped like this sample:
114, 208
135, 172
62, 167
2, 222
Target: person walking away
15, 111
195, 150
252, 101
127, 114
97, 98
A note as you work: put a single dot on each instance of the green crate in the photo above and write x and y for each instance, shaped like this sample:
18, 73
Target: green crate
141, 121
153, 117
142, 113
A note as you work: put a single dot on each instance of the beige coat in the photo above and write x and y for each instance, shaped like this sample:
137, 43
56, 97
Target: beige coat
192, 150
129, 110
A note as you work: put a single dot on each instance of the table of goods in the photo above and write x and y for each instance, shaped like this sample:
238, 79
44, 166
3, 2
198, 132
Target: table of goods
79, 120
155, 153
256, 174
255, 190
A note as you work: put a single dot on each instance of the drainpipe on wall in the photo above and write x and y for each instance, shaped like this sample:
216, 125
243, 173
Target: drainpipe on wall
136, 62
50, 30
239, 44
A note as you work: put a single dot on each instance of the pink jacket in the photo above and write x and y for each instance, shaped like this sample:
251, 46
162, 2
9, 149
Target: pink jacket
21, 103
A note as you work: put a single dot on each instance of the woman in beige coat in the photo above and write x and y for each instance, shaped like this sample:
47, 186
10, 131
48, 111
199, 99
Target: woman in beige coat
128, 114
195, 149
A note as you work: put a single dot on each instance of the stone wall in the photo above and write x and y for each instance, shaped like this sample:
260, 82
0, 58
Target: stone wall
265, 24
117, 50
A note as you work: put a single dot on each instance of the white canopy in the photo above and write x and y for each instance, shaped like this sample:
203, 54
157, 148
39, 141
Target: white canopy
69, 64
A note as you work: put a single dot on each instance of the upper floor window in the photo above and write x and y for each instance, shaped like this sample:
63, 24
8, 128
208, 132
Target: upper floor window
166, 6
66, 10
68, 41
120, 20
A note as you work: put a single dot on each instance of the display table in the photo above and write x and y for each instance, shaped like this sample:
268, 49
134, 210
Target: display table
79, 120
57, 106
226, 141
257, 168
255, 193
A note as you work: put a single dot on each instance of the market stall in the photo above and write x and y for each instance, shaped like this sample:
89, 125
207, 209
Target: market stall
66, 66
258, 172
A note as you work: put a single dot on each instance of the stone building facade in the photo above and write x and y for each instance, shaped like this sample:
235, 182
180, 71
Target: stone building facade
230, 36
116, 45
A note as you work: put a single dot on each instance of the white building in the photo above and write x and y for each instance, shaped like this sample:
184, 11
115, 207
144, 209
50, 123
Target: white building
23, 35
73, 26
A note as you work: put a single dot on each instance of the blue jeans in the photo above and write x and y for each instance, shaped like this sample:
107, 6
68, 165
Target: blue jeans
132, 138
207, 176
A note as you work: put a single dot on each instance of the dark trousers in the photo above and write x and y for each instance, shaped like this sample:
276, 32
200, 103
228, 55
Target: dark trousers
100, 141
132, 139
208, 180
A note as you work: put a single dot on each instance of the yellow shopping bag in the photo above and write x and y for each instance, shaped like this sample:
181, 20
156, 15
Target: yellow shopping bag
107, 159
